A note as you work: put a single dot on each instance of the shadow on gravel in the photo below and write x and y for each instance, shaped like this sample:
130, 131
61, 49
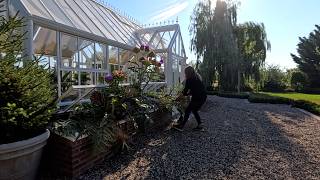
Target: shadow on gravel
241, 141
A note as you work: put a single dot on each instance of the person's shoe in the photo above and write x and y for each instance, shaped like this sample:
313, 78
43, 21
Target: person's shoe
178, 127
199, 128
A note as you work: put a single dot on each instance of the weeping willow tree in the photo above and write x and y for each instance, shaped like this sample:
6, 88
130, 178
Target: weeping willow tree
231, 54
214, 41
253, 46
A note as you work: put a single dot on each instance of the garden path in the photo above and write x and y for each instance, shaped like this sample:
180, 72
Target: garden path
242, 141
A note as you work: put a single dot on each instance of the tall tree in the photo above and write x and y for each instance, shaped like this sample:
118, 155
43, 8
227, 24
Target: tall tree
253, 46
215, 42
308, 58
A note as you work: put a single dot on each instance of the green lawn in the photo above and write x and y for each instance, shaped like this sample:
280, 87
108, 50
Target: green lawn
298, 96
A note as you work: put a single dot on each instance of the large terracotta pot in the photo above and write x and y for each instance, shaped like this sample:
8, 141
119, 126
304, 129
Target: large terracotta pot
20, 160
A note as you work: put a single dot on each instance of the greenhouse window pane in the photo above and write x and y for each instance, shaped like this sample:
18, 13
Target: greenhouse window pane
69, 51
68, 79
101, 58
75, 19
48, 62
36, 8
86, 54
125, 56
113, 58
44, 62
44, 41
83, 16
87, 78
100, 78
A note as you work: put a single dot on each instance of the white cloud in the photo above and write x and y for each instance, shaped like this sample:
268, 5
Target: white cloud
173, 9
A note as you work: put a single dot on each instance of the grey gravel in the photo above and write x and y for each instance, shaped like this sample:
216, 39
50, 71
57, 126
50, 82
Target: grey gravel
241, 141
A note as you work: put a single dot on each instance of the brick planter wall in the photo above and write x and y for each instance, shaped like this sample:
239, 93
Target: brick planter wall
67, 158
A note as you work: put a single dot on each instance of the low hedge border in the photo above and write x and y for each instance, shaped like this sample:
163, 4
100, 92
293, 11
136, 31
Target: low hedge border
308, 106
229, 94
264, 98
302, 104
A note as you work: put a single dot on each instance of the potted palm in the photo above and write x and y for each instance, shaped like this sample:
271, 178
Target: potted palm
26, 103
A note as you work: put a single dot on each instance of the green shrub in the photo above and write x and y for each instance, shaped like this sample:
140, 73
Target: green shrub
275, 79
299, 81
233, 95
229, 94
308, 106
27, 97
213, 93
264, 98
311, 90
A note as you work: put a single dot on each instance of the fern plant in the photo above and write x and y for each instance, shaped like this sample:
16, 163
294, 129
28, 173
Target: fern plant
88, 120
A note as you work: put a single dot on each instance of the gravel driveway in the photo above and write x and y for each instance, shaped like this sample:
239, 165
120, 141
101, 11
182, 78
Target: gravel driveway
241, 141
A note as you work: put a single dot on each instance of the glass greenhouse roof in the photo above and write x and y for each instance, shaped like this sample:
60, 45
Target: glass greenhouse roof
84, 15
92, 20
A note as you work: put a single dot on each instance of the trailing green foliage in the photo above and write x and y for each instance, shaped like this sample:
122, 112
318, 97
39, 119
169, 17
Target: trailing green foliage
27, 97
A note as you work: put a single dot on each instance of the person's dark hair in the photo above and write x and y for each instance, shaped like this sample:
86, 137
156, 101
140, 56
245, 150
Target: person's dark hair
191, 73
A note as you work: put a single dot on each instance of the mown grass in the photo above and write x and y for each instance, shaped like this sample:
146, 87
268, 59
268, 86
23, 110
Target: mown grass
298, 96
307, 102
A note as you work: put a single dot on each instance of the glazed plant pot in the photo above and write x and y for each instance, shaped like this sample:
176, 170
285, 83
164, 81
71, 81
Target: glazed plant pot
20, 160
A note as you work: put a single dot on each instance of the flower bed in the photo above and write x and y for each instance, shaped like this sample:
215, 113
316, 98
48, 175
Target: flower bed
114, 114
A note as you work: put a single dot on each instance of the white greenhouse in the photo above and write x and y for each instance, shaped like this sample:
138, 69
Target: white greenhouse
82, 40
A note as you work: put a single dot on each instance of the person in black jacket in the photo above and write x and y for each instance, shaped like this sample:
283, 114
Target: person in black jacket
195, 88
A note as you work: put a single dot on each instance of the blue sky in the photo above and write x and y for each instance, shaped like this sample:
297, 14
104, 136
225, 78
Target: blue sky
285, 20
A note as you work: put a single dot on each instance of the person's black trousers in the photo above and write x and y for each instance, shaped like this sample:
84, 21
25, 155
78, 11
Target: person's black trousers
194, 107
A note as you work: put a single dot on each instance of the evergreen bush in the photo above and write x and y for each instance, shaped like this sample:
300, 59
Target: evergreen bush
27, 97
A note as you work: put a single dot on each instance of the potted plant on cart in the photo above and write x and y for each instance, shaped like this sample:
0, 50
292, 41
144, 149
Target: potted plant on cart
26, 103
152, 110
